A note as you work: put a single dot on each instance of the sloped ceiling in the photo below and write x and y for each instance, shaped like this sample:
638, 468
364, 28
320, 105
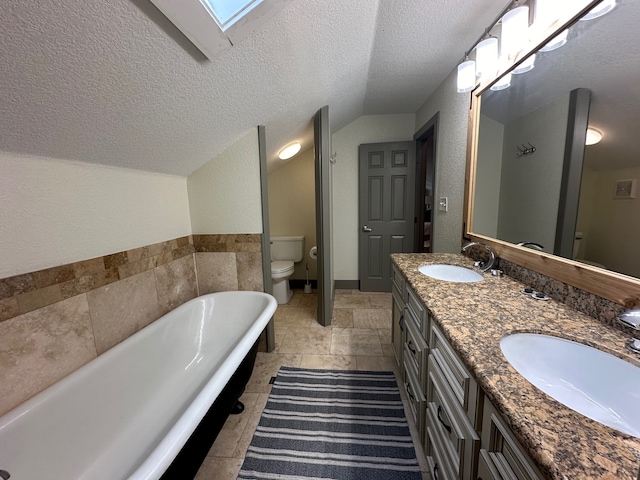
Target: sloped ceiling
115, 83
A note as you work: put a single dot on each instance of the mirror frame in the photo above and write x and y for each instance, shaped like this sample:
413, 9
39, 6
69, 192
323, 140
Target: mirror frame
619, 288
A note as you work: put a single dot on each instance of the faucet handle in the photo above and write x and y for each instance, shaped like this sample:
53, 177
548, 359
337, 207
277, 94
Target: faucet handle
631, 318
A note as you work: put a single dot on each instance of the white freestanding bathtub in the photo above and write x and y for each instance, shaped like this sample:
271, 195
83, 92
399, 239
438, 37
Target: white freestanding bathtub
128, 413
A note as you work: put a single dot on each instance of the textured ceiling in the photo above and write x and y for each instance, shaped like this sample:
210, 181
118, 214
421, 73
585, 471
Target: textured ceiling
115, 83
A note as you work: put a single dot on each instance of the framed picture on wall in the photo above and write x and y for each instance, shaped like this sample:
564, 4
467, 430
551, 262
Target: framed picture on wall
625, 189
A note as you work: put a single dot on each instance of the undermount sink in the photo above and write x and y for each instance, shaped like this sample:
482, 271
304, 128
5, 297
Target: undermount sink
596, 384
450, 273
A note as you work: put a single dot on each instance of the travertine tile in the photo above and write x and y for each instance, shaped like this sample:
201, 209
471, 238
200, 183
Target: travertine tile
88, 267
342, 318
329, 362
374, 363
214, 468
16, 285
355, 341
252, 424
217, 272
249, 267
39, 298
352, 301
371, 318
294, 317
176, 283
303, 300
120, 309
115, 260
380, 300
130, 268
267, 366
39, 348
51, 276
9, 308
228, 438
311, 339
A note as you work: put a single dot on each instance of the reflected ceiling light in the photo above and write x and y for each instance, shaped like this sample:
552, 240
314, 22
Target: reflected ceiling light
487, 57
526, 66
556, 42
600, 9
593, 136
466, 76
502, 83
515, 24
289, 151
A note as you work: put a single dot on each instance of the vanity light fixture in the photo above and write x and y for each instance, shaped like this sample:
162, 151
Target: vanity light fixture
593, 136
556, 42
466, 76
502, 83
487, 57
289, 151
600, 9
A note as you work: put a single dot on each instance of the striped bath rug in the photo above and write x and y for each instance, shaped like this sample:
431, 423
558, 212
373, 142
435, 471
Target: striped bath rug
332, 424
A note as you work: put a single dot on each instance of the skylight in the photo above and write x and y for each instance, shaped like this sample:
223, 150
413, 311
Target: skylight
229, 11
213, 26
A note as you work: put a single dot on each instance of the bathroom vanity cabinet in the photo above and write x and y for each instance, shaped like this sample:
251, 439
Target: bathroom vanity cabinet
462, 433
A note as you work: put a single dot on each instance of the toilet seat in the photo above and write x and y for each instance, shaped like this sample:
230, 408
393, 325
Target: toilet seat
281, 268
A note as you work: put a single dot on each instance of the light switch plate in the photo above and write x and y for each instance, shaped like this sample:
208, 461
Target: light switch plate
443, 204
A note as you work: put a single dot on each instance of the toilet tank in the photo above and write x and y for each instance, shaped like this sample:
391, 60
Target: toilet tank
287, 248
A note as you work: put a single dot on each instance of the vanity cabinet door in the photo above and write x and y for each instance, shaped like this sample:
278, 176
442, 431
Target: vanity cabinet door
416, 350
503, 452
414, 394
486, 469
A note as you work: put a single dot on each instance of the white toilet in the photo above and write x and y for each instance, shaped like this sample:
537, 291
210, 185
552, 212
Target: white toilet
284, 252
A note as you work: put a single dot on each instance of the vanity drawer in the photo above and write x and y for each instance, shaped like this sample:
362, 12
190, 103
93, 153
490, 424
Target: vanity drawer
439, 466
486, 468
503, 451
397, 278
414, 305
416, 350
446, 418
414, 394
462, 384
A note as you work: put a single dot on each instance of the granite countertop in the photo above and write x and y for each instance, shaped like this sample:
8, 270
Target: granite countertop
475, 316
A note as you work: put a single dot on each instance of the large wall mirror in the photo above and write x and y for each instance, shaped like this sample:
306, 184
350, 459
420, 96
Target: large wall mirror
531, 177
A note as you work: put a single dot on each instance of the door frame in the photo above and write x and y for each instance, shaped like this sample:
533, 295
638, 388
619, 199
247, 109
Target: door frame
322, 143
429, 128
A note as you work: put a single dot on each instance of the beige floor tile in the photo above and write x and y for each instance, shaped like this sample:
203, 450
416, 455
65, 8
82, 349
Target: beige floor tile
375, 363
352, 301
355, 341
214, 468
313, 339
252, 424
342, 318
371, 318
294, 317
387, 349
385, 335
329, 362
267, 366
381, 300
307, 300
228, 438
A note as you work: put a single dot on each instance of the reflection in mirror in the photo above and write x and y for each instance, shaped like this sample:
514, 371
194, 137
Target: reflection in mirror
535, 179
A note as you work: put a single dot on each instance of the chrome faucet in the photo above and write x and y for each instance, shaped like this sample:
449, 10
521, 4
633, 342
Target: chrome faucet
482, 265
531, 245
631, 318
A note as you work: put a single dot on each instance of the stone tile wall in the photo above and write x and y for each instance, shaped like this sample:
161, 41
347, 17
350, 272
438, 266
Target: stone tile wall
54, 321
228, 262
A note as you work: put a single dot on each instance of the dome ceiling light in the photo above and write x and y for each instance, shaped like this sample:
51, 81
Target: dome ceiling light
289, 151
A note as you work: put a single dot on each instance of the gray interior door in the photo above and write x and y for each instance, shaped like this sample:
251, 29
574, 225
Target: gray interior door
386, 209
322, 144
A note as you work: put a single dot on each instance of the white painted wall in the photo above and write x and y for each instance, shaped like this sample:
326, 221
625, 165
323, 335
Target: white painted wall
345, 142
292, 206
224, 194
451, 154
487, 190
54, 212
530, 185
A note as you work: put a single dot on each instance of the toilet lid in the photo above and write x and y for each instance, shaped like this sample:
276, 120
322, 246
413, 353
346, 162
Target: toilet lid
281, 266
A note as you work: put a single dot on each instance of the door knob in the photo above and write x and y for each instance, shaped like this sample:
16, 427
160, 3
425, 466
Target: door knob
366, 229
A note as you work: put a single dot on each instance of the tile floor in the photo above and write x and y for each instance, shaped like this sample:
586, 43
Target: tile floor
358, 339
